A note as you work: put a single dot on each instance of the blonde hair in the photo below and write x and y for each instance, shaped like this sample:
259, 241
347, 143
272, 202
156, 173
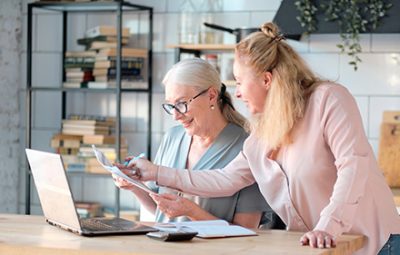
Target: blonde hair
291, 86
199, 73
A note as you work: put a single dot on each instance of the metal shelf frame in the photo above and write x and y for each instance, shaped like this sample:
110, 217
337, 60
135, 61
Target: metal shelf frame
119, 7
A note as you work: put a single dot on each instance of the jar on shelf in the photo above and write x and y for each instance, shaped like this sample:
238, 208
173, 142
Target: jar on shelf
188, 26
206, 34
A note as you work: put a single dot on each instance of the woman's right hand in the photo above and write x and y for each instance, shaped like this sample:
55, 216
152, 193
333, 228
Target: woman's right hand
144, 170
121, 183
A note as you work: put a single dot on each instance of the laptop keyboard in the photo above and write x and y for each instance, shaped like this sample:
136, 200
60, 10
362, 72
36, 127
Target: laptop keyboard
101, 224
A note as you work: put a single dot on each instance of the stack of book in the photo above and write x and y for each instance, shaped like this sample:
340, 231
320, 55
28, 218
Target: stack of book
66, 144
87, 126
89, 209
102, 37
74, 142
124, 213
78, 68
103, 41
105, 144
68, 147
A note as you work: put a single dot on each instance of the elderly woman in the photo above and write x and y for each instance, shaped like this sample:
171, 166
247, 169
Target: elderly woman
307, 151
209, 136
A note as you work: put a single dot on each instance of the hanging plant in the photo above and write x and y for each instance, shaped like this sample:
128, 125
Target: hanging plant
352, 16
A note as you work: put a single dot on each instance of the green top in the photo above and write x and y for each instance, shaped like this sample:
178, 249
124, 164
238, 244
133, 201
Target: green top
173, 152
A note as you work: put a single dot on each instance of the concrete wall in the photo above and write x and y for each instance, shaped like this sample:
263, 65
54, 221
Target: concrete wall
10, 82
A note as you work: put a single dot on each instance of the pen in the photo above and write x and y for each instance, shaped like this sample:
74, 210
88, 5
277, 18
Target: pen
141, 155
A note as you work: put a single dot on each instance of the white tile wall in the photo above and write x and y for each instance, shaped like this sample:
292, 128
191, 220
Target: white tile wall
376, 85
50, 34
46, 69
43, 115
76, 27
328, 42
385, 43
260, 17
378, 74
158, 5
254, 5
323, 64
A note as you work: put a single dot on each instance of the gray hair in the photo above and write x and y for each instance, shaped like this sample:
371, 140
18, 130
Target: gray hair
199, 73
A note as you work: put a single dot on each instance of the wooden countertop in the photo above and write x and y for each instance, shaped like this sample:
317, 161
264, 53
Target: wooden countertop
21, 234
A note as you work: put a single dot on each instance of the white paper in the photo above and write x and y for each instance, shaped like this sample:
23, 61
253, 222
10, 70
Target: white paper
116, 171
206, 228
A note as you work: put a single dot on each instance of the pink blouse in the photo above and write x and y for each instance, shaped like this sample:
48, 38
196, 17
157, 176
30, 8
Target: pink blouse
327, 179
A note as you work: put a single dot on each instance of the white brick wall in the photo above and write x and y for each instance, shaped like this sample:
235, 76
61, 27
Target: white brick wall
10, 65
376, 85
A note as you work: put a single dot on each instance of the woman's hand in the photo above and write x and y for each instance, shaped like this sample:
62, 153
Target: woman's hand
172, 205
120, 182
144, 170
318, 239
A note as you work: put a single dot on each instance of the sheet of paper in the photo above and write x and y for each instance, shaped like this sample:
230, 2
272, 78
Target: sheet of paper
218, 231
116, 171
206, 229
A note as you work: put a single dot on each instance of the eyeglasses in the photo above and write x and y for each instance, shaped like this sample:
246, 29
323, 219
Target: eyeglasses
181, 107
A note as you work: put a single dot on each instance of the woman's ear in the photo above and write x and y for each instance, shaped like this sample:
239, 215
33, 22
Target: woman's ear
267, 76
213, 95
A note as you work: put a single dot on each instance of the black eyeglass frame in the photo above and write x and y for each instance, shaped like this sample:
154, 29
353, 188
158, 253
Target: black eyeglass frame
169, 107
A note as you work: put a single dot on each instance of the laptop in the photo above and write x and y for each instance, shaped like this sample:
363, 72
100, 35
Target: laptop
58, 204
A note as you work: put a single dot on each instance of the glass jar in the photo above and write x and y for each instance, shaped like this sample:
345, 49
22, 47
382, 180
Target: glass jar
188, 26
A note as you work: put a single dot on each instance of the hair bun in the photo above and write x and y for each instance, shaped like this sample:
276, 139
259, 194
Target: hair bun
270, 30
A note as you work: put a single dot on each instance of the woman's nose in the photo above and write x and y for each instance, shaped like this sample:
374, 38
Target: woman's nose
176, 115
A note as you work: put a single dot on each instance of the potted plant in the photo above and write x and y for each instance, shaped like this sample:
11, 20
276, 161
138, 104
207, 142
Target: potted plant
352, 17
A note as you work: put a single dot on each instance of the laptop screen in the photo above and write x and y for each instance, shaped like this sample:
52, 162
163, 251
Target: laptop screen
53, 188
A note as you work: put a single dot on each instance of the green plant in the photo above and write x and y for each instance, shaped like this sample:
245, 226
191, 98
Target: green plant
352, 16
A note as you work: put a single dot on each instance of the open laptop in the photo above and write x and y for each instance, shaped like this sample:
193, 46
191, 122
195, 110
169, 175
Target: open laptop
58, 203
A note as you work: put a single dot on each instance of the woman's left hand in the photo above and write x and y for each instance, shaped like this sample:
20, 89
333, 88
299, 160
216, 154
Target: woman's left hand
318, 239
172, 205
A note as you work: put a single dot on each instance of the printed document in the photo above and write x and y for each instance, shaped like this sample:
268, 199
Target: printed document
206, 228
116, 171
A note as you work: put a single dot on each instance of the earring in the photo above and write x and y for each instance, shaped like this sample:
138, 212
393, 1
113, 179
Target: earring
212, 107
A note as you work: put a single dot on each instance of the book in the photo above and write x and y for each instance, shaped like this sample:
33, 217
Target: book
83, 131
88, 209
79, 62
86, 53
112, 78
87, 41
105, 31
67, 141
112, 84
101, 139
113, 72
125, 52
74, 84
87, 122
102, 45
125, 63
206, 228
